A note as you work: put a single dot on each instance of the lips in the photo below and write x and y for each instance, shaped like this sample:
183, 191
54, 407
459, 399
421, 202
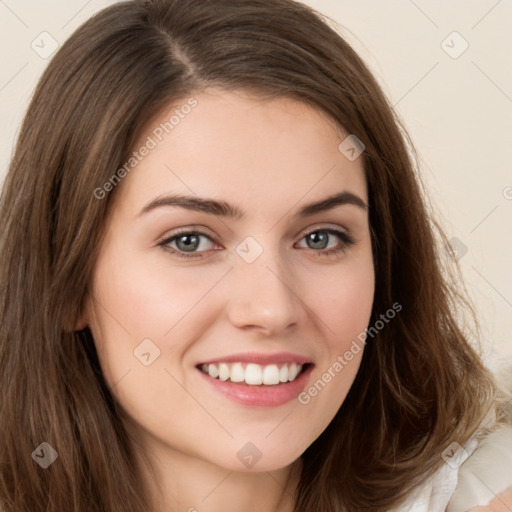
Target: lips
258, 379
260, 358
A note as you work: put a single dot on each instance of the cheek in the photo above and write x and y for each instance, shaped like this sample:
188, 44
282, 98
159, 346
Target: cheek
342, 304
343, 301
343, 309
142, 309
150, 298
346, 313
138, 299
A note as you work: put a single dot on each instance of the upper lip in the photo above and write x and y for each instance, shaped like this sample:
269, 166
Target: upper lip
260, 358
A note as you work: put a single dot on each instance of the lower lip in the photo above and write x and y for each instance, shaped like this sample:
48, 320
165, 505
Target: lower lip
260, 396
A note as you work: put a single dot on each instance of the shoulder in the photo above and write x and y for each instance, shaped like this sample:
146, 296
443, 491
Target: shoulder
485, 478
476, 475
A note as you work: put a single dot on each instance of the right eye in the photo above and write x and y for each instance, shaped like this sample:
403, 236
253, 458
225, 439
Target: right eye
186, 242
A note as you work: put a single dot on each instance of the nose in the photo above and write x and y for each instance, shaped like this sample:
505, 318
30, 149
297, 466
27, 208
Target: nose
263, 296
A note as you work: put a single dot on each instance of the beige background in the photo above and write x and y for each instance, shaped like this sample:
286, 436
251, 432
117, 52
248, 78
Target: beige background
457, 108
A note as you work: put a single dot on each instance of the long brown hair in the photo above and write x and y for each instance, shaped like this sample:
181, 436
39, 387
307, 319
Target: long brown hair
420, 385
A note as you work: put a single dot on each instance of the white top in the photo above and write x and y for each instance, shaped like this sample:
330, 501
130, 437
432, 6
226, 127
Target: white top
472, 475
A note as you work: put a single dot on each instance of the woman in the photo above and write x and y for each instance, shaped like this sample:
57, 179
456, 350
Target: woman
222, 288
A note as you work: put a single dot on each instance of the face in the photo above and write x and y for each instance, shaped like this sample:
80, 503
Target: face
251, 287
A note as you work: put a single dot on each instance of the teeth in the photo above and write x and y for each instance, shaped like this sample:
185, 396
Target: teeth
237, 373
271, 374
213, 371
293, 371
223, 371
253, 374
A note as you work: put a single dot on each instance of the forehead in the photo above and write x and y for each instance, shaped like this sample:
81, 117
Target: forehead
240, 147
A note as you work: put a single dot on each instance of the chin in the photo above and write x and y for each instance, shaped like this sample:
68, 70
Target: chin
251, 458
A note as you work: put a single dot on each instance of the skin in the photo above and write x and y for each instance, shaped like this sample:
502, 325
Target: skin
502, 503
270, 158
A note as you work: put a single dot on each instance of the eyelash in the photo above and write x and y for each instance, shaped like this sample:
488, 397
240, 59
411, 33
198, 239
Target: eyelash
347, 241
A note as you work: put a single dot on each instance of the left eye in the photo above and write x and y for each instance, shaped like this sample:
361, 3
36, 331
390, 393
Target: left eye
187, 243
320, 236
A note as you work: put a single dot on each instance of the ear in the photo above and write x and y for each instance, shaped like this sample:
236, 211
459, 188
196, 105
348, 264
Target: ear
81, 324
83, 319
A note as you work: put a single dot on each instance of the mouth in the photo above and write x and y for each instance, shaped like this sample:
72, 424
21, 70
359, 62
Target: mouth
252, 374
257, 380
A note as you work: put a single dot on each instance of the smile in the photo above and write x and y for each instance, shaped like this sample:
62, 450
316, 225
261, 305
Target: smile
253, 374
256, 385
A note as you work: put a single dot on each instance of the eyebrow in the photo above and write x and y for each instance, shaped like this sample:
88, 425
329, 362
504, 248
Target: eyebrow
225, 209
